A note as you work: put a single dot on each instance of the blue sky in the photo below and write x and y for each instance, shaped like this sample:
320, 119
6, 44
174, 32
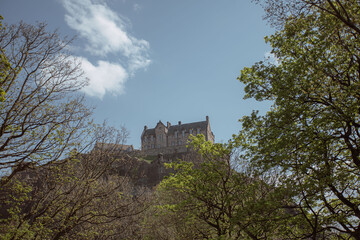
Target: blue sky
159, 60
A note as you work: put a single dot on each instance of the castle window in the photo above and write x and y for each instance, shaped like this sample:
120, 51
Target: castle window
198, 131
152, 146
158, 145
180, 142
145, 139
152, 138
176, 134
183, 133
191, 131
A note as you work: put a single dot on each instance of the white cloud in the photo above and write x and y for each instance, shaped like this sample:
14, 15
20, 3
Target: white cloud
106, 34
104, 77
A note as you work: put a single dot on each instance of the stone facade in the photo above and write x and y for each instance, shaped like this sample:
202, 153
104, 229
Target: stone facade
168, 139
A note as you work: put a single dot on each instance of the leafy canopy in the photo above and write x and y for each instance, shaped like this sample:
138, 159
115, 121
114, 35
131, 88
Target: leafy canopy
311, 134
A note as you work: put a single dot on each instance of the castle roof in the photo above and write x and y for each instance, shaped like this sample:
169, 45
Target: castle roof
187, 126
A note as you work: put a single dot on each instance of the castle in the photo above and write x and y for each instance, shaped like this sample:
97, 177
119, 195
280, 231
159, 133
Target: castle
168, 139
164, 143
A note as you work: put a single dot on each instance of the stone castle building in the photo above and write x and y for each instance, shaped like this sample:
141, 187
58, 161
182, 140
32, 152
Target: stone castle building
168, 139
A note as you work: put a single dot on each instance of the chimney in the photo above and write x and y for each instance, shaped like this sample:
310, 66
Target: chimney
179, 123
207, 119
145, 128
168, 124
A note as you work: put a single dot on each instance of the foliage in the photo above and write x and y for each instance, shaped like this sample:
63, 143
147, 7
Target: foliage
211, 200
311, 134
77, 198
4, 67
42, 115
49, 189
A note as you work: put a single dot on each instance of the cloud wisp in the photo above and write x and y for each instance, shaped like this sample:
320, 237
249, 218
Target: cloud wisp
106, 34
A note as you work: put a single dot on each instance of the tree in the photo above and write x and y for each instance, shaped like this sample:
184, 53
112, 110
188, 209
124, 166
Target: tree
4, 67
79, 199
213, 201
278, 12
42, 115
311, 134
53, 190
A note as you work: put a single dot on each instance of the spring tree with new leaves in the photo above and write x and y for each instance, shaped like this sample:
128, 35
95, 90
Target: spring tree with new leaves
4, 67
50, 189
42, 115
80, 197
311, 135
206, 198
